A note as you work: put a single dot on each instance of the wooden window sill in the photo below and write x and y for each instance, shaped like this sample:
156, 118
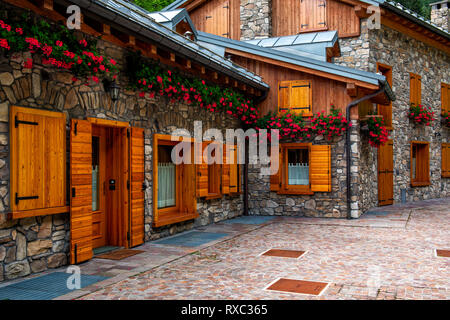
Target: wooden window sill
38, 212
296, 192
213, 196
420, 184
174, 218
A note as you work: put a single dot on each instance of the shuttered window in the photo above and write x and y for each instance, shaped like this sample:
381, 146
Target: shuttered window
445, 98
174, 198
420, 164
386, 110
216, 18
313, 15
38, 162
295, 96
304, 169
415, 89
446, 160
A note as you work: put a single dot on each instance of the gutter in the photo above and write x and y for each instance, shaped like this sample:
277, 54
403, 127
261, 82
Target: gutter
384, 89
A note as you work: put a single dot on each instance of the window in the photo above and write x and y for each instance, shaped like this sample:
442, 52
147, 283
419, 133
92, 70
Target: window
415, 89
313, 15
445, 98
38, 162
303, 169
295, 96
446, 160
420, 164
174, 184
386, 110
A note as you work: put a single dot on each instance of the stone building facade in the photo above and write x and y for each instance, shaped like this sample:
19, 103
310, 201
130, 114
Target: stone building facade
440, 14
256, 19
406, 55
36, 244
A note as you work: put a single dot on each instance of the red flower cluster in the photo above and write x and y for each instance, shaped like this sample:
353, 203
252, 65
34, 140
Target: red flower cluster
420, 114
378, 134
290, 125
446, 119
331, 125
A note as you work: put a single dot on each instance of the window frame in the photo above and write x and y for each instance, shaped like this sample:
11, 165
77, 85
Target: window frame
420, 181
171, 215
286, 188
217, 172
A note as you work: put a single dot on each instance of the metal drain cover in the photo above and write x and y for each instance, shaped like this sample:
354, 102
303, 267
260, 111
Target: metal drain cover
298, 286
284, 253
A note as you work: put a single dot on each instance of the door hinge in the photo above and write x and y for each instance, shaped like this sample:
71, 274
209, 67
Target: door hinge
304, 25
17, 122
322, 5
24, 198
208, 17
324, 23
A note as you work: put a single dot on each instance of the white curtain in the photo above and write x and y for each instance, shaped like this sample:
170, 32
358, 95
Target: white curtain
298, 173
166, 185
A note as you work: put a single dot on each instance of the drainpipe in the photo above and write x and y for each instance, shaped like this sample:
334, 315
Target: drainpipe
347, 145
246, 178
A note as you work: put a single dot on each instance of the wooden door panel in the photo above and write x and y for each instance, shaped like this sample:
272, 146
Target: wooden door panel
137, 196
386, 174
81, 191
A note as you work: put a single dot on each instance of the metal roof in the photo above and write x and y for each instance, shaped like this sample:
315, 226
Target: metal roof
295, 59
174, 5
170, 19
313, 45
136, 19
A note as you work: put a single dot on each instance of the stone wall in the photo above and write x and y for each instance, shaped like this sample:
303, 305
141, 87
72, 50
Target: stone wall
256, 19
36, 244
440, 14
321, 204
409, 55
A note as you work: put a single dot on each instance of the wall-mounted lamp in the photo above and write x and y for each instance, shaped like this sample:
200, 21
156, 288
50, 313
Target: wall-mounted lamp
114, 91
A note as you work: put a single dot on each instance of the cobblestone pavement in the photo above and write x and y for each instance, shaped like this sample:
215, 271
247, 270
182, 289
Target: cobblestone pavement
388, 254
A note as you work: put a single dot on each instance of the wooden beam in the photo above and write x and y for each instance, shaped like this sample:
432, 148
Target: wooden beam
352, 90
203, 70
216, 75
153, 49
188, 64
361, 12
106, 29
227, 80
172, 57
48, 4
132, 40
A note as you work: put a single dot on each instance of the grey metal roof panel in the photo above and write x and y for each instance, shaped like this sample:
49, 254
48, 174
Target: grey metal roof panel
313, 64
174, 5
295, 51
137, 19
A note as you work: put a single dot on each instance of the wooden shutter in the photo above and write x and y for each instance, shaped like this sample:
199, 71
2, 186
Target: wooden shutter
445, 160
275, 179
202, 171
415, 85
80, 191
313, 15
217, 18
320, 168
445, 97
137, 181
284, 90
38, 162
234, 170
386, 174
226, 170
300, 96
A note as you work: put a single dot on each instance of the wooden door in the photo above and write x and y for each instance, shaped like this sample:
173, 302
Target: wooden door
386, 174
80, 191
137, 178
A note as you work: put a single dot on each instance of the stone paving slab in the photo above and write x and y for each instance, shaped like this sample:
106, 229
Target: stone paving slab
386, 256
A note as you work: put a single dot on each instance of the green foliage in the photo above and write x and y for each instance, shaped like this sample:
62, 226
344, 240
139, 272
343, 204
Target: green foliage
153, 5
421, 7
